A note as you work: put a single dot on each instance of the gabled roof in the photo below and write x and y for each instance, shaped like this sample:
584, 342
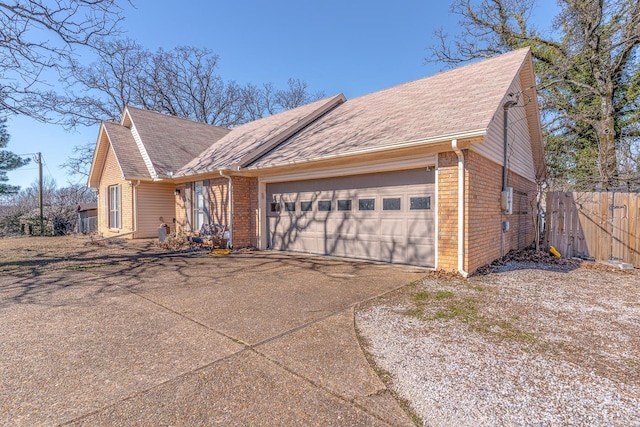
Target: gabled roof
249, 141
170, 142
442, 106
459, 103
126, 151
150, 145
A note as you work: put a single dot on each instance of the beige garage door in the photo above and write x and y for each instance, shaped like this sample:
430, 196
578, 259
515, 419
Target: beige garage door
385, 216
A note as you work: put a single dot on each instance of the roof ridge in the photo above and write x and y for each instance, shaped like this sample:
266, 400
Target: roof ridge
172, 117
251, 156
443, 72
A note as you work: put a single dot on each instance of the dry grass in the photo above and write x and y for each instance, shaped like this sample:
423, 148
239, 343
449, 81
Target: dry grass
36, 255
561, 314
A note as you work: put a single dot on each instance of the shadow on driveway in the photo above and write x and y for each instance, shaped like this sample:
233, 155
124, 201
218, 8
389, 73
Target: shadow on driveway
263, 338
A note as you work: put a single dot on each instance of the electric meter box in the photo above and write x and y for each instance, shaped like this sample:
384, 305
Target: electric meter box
506, 201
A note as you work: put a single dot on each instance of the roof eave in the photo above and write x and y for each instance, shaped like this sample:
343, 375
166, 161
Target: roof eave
388, 147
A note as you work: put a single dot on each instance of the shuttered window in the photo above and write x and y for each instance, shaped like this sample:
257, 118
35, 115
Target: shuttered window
115, 207
198, 206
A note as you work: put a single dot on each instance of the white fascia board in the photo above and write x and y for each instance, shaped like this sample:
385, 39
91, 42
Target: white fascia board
143, 151
90, 179
355, 169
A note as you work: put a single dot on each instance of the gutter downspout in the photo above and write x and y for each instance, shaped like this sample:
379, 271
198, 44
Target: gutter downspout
230, 209
458, 151
505, 129
135, 208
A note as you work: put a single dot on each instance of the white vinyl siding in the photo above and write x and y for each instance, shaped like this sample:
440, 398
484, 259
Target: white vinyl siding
154, 200
519, 149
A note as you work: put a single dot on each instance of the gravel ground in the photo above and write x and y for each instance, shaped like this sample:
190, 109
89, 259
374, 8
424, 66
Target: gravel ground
526, 344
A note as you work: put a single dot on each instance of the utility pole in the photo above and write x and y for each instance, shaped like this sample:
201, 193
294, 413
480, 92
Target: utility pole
39, 162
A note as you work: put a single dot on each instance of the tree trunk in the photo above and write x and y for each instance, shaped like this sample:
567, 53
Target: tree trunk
607, 161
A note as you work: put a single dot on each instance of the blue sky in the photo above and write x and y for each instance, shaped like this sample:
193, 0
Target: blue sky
354, 47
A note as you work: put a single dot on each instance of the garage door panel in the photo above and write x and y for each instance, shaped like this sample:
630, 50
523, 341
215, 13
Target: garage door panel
306, 244
367, 227
343, 226
393, 250
367, 248
420, 230
339, 246
351, 228
391, 228
420, 254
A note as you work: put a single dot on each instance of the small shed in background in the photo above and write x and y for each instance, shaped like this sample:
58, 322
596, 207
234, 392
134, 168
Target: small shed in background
87, 218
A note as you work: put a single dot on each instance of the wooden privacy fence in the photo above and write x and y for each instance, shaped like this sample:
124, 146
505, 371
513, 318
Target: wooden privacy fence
603, 226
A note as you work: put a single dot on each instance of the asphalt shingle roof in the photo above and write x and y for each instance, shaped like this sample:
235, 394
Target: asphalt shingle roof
248, 137
452, 102
126, 151
172, 142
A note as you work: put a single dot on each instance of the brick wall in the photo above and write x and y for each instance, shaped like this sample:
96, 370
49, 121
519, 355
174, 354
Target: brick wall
216, 201
245, 211
448, 211
219, 200
483, 215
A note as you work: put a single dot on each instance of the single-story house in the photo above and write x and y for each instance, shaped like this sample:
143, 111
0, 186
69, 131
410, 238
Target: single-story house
412, 174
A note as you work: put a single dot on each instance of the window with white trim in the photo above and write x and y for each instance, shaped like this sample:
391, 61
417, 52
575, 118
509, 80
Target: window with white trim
198, 205
115, 207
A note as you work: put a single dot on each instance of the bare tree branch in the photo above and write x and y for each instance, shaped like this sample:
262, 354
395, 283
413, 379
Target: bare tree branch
39, 39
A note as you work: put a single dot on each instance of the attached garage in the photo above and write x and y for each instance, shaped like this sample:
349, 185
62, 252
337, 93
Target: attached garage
414, 174
385, 216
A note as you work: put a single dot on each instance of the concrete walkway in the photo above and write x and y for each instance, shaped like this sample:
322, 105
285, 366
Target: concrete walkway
255, 339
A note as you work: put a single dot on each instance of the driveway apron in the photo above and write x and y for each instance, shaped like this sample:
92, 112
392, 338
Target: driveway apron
255, 339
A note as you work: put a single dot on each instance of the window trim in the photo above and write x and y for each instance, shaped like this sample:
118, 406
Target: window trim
304, 204
347, 202
323, 202
399, 198
366, 198
196, 209
428, 198
114, 207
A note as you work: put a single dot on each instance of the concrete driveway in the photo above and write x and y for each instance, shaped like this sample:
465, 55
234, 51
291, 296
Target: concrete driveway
255, 339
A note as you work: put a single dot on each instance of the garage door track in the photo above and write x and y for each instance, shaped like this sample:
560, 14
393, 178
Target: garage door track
254, 339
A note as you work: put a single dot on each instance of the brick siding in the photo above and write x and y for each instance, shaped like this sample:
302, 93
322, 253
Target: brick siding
245, 211
483, 215
448, 211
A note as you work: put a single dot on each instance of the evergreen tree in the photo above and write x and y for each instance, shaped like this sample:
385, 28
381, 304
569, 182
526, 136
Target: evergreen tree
8, 161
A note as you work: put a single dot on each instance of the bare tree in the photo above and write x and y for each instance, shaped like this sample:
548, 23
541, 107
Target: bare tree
267, 100
588, 76
182, 82
79, 163
107, 85
38, 37
60, 208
